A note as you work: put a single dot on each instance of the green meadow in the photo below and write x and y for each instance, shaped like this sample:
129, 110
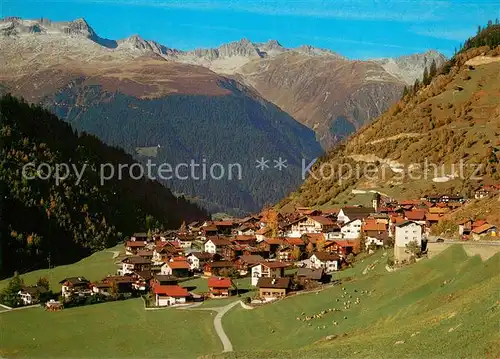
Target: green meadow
447, 306
94, 267
444, 307
110, 330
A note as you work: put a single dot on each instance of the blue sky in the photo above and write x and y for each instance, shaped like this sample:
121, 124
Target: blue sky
355, 28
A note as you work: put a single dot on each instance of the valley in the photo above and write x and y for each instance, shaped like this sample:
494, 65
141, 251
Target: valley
248, 199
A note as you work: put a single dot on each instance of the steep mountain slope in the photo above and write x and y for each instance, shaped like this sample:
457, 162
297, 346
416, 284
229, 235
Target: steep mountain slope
330, 94
443, 138
138, 100
43, 221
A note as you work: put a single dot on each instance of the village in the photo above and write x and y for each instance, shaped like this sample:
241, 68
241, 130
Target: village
279, 254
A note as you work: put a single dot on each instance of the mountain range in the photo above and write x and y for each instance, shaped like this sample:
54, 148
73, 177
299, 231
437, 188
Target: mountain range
234, 104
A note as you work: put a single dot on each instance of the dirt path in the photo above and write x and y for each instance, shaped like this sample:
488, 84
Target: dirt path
396, 137
9, 309
226, 343
115, 253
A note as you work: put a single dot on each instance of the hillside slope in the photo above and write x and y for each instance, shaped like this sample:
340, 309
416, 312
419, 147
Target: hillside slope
333, 96
431, 309
442, 139
44, 222
137, 99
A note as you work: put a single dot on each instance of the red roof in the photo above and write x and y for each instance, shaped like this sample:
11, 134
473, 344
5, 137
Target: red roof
217, 282
341, 243
397, 220
178, 265
275, 264
434, 217
223, 223
331, 211
416, 215
171, 290
483, 228
295, 241
322, 220
245, 238
273, 240
413, 202
373, 225
210, 228
136, 244
479, 223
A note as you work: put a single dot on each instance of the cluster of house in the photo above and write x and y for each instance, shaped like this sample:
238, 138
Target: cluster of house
263, 246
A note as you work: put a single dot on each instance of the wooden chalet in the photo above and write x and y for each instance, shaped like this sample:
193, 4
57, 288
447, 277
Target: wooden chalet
219, 287
217, 267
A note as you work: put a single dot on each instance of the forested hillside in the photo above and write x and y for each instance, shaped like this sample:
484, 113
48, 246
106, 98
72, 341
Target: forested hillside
442, 137
237, 128
42, 221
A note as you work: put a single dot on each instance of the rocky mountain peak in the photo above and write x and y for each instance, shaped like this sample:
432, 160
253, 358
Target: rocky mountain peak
315, 51
411, 67
244, 48
17, 26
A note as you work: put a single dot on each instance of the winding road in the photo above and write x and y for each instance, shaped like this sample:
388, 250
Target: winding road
226, 343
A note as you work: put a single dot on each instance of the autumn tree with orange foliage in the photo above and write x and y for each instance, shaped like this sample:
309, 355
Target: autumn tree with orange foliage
270, 217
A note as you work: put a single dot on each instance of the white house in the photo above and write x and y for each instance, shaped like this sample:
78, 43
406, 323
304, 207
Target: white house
178, 268
309, 224
166, 295
351, 229
349, 214
269, 270
215, 245
374, 240
262, 234
31, 295
196, 260
405, 233
245, 230
328, 261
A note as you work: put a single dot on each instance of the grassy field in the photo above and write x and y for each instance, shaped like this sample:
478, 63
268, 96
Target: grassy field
94, 267
447, 306
111, 330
